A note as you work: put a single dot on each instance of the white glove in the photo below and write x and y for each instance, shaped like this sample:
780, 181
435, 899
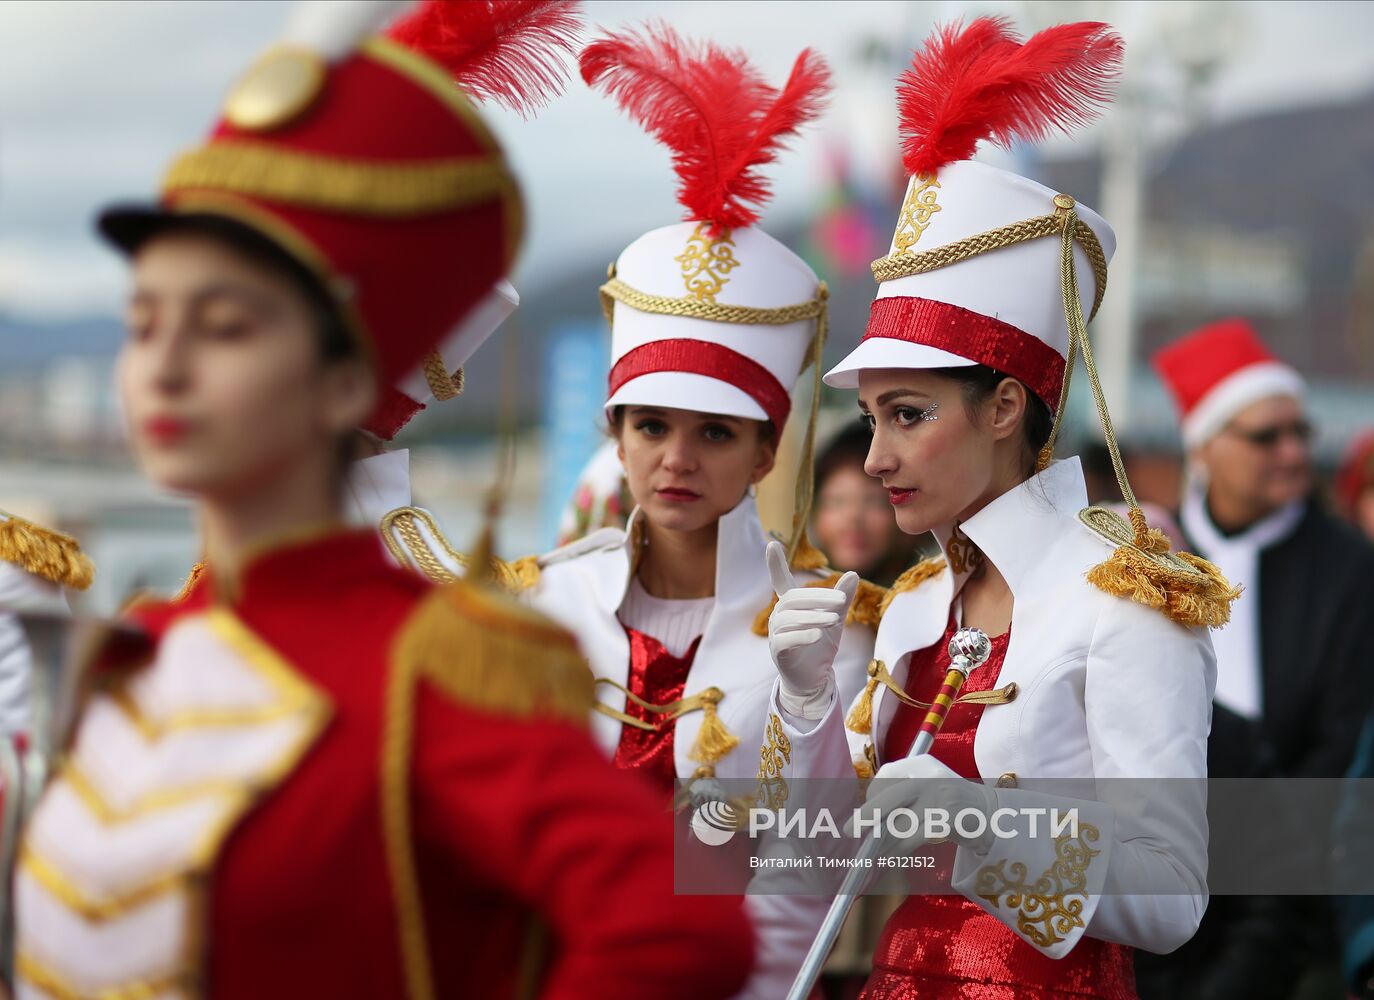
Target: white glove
924, 784
804, 633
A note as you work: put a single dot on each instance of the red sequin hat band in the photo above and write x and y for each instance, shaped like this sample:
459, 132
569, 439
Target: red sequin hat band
701, 357
971, 335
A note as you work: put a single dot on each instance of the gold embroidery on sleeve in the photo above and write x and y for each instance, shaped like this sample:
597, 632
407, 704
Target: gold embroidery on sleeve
774, 755
1046, 915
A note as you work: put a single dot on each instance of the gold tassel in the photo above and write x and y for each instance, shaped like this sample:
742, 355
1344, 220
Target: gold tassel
713, 740
484, 649
867, 767
50, 554
522, 574
864, 611
860, 719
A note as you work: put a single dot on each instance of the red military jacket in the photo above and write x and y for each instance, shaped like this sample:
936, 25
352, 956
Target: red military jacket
330, 779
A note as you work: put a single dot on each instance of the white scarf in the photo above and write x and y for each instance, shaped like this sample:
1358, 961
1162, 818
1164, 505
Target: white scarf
1239, 683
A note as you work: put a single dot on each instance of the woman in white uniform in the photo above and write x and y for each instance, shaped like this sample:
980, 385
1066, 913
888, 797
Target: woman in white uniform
1100, 665
712, 321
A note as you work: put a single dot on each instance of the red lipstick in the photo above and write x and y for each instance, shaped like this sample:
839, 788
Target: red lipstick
165, 430
900, 496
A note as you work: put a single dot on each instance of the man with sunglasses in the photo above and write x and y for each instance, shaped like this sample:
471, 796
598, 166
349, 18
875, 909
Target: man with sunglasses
1294, 676
1295, 658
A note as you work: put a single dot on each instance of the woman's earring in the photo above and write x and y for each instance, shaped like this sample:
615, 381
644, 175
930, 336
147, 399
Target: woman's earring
753, 489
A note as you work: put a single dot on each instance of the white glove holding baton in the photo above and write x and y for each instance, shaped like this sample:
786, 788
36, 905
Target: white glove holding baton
804, 633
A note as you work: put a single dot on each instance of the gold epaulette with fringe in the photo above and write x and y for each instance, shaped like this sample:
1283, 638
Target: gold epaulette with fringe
43, 552
401, 522
485, 649
478, 646
1185, 588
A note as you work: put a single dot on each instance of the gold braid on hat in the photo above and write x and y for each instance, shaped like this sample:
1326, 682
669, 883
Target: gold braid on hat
691, 307
1187, 588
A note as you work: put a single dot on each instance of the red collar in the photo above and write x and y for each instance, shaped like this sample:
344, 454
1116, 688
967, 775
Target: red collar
318, 565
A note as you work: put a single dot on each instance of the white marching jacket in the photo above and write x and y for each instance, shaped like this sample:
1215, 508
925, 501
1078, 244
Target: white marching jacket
583, 585
1104, 689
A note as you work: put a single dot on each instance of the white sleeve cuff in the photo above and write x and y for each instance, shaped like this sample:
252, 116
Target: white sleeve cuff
810, 706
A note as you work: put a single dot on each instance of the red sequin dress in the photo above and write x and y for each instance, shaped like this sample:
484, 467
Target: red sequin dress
945, 947
659, 678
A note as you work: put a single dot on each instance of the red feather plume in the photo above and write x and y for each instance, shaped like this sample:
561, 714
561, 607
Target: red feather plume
713, 111
508, 51
982, 82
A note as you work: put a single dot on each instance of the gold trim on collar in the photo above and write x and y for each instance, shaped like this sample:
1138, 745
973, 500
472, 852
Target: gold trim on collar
513, 577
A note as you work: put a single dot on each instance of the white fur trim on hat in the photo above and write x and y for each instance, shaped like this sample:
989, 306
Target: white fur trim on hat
1237, 391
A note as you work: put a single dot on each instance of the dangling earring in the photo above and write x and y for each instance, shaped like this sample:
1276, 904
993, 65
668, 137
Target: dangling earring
753, 489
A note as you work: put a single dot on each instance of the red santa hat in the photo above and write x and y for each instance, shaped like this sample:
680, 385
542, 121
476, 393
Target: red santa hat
712, 313
973, 275
1219, 370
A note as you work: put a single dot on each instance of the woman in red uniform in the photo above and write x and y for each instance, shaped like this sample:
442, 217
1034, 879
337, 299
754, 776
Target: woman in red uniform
1100, 667
320, 776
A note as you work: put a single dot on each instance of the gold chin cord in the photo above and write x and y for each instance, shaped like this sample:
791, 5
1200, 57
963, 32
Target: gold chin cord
615, 290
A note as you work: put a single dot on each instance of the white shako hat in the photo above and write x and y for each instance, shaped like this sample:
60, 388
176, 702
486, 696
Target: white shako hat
973, 275
710, 314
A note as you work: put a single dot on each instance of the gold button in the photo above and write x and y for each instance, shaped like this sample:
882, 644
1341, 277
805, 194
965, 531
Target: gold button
277, 88
1010, 692
1064, 201
1007, 780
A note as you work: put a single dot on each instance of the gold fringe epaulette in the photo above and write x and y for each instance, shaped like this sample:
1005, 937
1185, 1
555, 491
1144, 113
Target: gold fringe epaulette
401, 524
864, 611
43, 552
481, 647
1186, 588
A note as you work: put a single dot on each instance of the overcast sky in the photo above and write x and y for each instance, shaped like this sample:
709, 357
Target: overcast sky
96, 97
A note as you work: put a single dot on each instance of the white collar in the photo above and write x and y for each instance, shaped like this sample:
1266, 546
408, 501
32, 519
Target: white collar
1014, 531
1267, 531
740, 565
376, 486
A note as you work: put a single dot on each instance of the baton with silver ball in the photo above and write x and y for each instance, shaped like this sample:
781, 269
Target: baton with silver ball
969, 648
